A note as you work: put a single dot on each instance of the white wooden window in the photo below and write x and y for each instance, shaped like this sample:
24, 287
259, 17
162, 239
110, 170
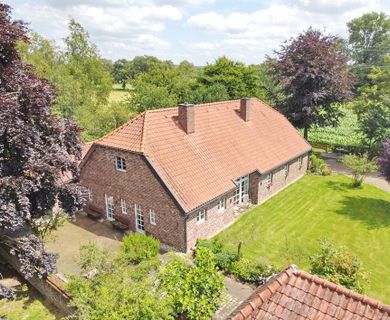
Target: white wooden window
109, 207
286, 169
90, 195
120, 164
201, 217
152, 216
123, 206
139, 219
269, 180
300, 161
221, 204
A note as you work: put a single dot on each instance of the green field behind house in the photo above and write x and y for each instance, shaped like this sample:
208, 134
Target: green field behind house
286, 228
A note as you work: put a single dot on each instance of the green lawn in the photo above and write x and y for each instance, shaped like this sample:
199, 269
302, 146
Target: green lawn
286, 228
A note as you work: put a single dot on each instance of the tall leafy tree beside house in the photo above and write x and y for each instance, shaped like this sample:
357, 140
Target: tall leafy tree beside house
314, 74
36, 148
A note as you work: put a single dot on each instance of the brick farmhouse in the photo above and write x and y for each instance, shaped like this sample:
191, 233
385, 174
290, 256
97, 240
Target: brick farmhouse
183, 173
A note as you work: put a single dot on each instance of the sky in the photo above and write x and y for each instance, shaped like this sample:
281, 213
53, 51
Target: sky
195, 30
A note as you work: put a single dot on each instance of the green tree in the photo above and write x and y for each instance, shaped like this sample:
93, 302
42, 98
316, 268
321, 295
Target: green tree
115, 291
337, 265
195, 290
373, 106
238, 79
121, 71
314, 75
49, 63
369, 41
360, 167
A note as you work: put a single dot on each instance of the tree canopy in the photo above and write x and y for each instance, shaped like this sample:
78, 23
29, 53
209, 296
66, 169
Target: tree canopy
36, 149
384, 160
369, 42
314, 75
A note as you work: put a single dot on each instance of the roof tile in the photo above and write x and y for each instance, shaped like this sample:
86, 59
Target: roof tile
296, 294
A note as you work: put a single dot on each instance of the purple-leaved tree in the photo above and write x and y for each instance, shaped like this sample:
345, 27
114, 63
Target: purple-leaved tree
36, 149
384, 160
314, 74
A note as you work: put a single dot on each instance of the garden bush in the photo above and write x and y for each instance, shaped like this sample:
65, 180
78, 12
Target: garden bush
138, 247
318, 166
249, 271
224, 257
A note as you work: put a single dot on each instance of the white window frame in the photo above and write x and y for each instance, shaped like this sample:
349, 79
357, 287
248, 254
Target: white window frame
123, 206
152, 216
300, 162
242, 190
269, 179
139, 219
120, 163
221, 204
286, 169
90, 196
110, 207
201, 216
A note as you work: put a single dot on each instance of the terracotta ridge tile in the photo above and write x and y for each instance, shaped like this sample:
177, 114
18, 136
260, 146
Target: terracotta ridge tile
143, 133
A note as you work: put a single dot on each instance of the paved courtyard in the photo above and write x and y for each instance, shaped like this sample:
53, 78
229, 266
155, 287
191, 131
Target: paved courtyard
66, 241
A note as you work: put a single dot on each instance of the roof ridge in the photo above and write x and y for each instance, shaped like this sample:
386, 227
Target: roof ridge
345, 291
141, 148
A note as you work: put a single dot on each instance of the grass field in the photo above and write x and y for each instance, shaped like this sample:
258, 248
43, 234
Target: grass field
118, 95
286, 228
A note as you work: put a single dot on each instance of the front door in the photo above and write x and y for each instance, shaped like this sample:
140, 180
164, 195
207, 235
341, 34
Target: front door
139, 219
109, 207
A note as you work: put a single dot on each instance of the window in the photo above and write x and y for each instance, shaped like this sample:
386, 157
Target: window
109, 207
201, 217
268, 181
139, 219
300, 161
286, 169
120, 164
90, 195
152, 216
123, 206
221, 204
241, 193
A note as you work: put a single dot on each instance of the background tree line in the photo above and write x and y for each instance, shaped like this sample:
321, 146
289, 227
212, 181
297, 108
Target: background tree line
344, 76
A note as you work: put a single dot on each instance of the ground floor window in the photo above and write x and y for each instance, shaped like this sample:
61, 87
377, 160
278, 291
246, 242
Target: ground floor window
242, 191
270, 178
123, 206
201, 217
139, 218
109, 207
300, 161
221, 204
90, 195
286, 169
152, 216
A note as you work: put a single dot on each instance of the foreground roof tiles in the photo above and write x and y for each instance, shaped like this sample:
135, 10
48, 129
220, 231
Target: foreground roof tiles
201, 166
295, 294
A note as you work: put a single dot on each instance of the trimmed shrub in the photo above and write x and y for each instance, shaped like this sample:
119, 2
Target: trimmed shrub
224, 257
138, 247
318, 166
249, 271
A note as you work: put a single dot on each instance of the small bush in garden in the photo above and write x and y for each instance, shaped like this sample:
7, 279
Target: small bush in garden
318, 166
92, 257
138, 247
224, 257
336, 264
360, 167
249, 271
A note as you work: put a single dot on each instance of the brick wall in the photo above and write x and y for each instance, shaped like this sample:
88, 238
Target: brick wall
138, 185
279, 180
216, 221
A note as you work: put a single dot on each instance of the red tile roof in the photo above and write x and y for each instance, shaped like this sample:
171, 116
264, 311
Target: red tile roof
295, 294
201, 166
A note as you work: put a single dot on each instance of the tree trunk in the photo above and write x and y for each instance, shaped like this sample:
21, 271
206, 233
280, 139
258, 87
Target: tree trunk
305, 132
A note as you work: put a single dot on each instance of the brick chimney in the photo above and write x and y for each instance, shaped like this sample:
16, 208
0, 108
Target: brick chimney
187, 117
245, 108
